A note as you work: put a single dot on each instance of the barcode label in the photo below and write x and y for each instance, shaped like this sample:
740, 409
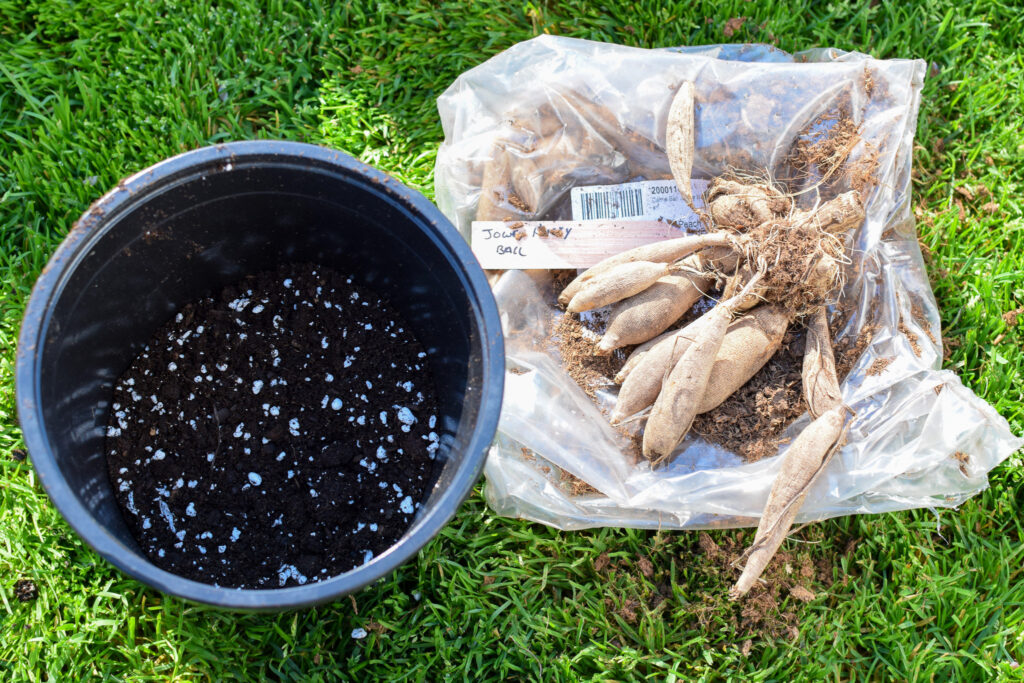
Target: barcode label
617, 202
649, 200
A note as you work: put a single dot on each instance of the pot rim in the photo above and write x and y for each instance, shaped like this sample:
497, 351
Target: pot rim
131, 193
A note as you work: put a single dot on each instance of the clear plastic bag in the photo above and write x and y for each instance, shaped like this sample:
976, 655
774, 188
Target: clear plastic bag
554, 113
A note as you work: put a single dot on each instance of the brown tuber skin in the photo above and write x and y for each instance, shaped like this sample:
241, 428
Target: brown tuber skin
742, 206
638, 354
656, 252
649, 313
616, 284
838, 215
644, 381
679, 138
676, 405
818, 379
750, 343
737, 282
801, 463
498, 201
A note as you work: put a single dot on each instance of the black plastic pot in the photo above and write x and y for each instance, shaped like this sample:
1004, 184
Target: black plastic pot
197, 222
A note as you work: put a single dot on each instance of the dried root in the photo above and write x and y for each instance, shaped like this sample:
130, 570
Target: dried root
656, 252
819, 379
837, 216
677, 403
805, 458
616, 283
799, 260
679, 135
737, 283
643, 383
740, 205
750, 343
496, 191
649, 313
638, 355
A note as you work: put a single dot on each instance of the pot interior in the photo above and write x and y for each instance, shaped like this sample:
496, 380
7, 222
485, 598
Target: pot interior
187, 236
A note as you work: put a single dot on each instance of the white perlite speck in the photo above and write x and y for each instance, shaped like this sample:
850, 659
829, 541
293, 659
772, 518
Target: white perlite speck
191, 510
406, 417
287, 571
293, 426
406, 505
336, 404
166, 512
255, 479
235, 534
256, 386
359, 633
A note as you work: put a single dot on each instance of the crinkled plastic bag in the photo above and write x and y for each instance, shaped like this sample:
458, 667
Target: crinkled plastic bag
576, 113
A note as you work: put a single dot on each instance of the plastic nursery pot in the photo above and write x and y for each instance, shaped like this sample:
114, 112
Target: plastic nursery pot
197, 222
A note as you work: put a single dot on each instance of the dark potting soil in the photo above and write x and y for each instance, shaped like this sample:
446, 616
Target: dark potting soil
281, 433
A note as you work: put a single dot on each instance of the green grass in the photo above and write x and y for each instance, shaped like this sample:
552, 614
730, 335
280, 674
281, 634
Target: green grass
90, 92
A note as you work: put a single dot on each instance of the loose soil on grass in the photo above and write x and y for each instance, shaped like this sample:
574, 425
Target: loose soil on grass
280, 433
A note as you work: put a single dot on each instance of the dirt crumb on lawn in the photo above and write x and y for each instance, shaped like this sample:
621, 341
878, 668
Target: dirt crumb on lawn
1010, 317
773, 608
25, 590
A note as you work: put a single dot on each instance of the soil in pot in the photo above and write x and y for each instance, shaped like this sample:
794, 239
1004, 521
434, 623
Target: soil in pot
280, 433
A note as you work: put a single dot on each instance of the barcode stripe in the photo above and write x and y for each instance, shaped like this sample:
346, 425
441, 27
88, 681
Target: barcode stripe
613, 203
